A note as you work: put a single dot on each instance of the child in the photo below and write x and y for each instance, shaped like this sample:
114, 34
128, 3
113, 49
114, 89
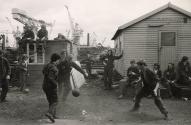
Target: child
50, 73
169, 78
132, 75
151, 85
23, 71
157, 71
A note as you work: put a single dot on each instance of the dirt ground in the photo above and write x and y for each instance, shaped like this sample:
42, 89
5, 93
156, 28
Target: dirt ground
95, 106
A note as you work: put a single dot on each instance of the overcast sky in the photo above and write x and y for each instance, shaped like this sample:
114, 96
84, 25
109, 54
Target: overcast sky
100, 16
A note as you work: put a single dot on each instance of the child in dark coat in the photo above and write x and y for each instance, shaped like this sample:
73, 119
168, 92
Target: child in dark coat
151, 85
50, 73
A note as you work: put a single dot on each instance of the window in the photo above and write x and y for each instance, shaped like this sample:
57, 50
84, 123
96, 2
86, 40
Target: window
168, 39
31, 53
40, 54
35, 53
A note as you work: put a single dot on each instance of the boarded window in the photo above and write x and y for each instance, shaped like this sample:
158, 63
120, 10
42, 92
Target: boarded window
168, 39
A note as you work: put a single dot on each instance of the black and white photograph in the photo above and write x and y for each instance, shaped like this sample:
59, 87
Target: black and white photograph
95, 62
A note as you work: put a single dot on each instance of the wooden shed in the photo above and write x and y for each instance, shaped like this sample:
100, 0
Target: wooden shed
40, 53
161, 36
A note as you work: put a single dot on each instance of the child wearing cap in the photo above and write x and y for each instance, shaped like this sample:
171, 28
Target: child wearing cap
150, 82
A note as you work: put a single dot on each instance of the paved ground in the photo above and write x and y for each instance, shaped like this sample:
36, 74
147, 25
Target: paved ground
95, 106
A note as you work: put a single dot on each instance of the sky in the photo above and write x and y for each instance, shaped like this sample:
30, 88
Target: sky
100, 18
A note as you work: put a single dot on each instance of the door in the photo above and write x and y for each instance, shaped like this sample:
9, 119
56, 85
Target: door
167, 49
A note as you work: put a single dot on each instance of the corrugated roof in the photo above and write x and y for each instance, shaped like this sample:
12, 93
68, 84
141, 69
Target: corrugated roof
169, 5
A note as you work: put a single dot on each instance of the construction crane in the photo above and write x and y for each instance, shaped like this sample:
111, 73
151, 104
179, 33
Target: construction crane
16, 33
70, 19
13, 29
22, 17
76, 31
100, 45
94, 39
103, 40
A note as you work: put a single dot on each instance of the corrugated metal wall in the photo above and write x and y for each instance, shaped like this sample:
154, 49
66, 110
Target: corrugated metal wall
184, 41
142, 41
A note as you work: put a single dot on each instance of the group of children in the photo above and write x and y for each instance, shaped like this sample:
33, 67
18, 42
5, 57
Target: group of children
174, 77
171, 77
151, 80
28, 33
147, 82
5, 74
139, 74
56, 84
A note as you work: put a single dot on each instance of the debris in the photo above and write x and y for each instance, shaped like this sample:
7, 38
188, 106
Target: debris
84, 113
185, 99
26, 90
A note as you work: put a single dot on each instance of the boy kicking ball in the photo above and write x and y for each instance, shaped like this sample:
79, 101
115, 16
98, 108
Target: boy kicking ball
150, 82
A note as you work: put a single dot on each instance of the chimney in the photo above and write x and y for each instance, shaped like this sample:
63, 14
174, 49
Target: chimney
3, 42
88, 39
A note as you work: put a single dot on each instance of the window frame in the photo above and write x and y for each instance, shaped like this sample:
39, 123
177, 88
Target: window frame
159, 38
35, 54
168, 32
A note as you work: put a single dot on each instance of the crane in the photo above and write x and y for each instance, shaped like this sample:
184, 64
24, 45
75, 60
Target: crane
94, 39
51, 27
103, 40
100, 45
76, 31
70, 19
13, 29
16, 33
22, 17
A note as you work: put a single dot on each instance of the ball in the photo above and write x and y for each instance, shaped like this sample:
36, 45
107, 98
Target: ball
75, 92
